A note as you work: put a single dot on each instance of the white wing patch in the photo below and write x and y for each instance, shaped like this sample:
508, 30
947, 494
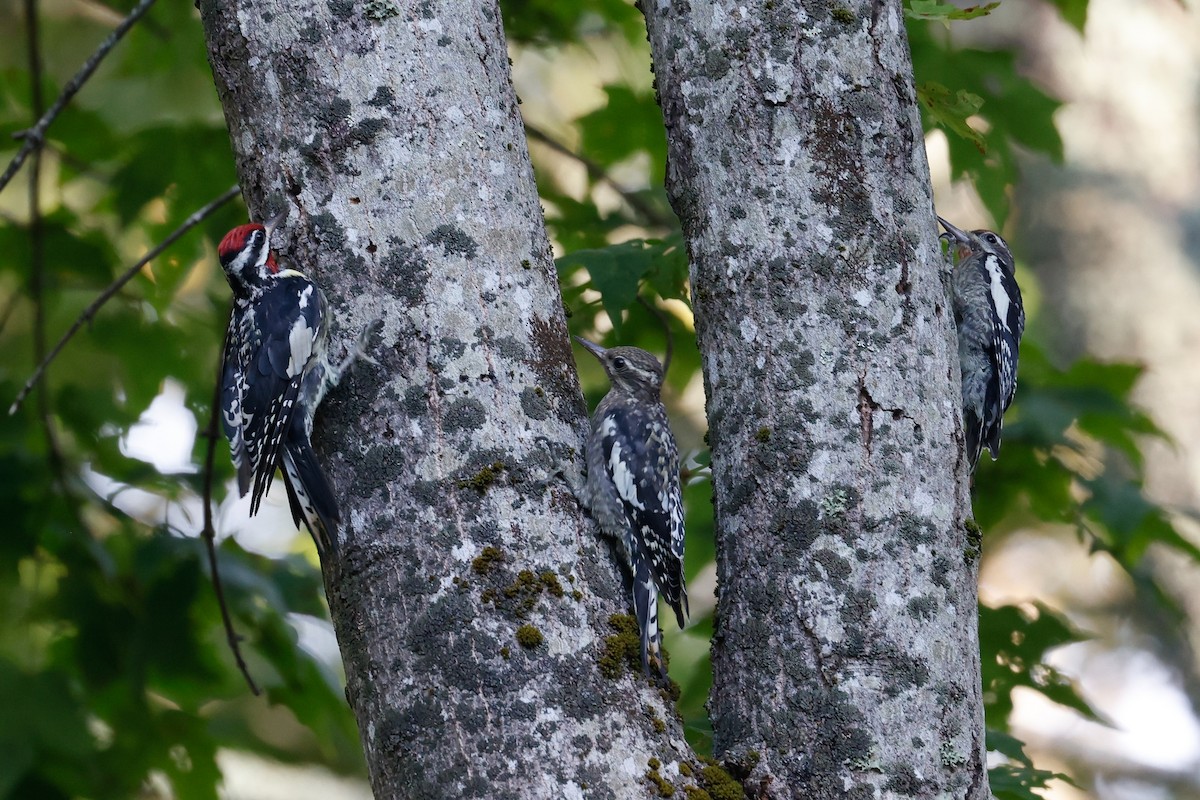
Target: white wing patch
301, 341
623, 479
1000, 298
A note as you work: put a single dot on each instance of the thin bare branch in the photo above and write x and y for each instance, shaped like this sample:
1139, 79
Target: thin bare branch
106, 13
89, 312
34, 136
209, 535
597, 173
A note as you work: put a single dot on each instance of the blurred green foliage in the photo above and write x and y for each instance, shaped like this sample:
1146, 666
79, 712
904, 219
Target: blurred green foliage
987, 110
113, 667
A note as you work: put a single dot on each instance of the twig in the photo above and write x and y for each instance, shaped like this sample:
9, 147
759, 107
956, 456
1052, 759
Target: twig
598, 173
112, 15
661, 316
209, 535
33, 136
89, 312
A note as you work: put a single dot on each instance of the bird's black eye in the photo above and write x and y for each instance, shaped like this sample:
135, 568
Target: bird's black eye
619, 363
991, 237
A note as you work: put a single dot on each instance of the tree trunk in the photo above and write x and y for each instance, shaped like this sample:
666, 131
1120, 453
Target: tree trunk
846, 656
471, 599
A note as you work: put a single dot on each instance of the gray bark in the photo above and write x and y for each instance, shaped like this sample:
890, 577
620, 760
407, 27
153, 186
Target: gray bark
392, 133
846, 657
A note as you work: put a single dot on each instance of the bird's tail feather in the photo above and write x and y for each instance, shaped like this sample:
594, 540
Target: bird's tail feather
310, 495
645, 606
992, 439
973, 430
682, 612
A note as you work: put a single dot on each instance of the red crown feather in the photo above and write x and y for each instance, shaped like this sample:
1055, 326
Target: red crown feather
235, 240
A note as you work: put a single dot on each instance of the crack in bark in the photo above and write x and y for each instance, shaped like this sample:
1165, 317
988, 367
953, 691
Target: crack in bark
866, 408
904, 285
978, 765
876, 7
867, 405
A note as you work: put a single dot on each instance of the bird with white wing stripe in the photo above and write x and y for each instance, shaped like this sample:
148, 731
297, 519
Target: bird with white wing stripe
633, 487
990, 318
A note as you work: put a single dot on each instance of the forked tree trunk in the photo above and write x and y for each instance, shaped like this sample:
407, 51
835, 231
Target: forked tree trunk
471, 599
846, 656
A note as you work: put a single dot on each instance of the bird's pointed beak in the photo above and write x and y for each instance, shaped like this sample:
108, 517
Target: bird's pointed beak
592, 348
958, 234
273, 223
961, 242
